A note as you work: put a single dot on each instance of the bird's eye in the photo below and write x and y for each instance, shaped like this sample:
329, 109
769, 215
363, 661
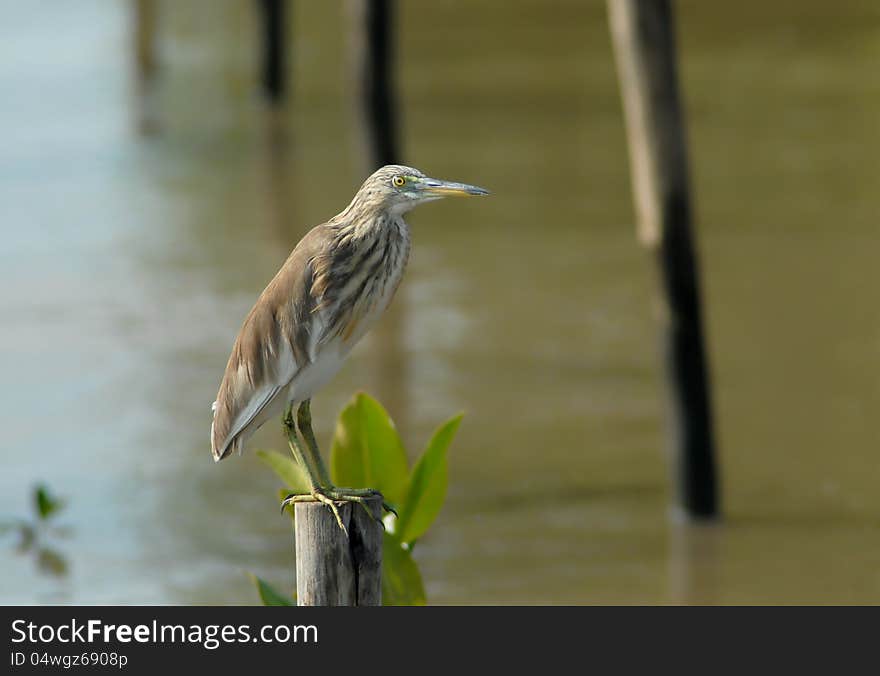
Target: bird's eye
398, 181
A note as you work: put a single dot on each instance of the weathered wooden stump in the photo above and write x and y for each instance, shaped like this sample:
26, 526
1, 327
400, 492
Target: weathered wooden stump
332, 569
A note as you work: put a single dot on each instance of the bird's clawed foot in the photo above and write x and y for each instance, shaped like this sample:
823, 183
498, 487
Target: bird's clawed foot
331, 495
308, 457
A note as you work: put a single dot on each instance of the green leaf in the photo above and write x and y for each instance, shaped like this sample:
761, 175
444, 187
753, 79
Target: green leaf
367, 451
45, 503
287, 469
269, 595
427, 486
401, 579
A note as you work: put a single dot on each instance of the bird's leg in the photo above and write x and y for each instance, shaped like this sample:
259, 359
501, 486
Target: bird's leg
314, 474
304, 422
313, 456
302, 458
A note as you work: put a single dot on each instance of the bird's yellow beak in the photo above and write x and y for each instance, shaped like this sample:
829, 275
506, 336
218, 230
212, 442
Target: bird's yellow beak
432, 186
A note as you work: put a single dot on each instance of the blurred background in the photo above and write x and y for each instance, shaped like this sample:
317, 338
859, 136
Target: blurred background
139, 226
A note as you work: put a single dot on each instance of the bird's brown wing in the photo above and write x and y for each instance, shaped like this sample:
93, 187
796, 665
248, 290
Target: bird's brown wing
274, 343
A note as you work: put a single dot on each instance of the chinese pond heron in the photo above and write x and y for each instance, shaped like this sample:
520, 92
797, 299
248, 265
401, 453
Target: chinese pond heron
331, 290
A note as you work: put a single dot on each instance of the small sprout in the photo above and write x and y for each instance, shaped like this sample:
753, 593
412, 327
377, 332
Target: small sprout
45, 503
35, 532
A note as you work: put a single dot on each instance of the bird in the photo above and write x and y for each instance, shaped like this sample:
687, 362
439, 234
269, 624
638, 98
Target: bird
334, 286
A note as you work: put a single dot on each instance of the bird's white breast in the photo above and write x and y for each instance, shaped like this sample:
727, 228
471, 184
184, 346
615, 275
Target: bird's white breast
314, 375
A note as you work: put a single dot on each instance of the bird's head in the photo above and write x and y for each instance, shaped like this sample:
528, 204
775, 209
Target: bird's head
397, 189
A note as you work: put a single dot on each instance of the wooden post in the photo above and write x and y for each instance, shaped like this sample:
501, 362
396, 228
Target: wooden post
145, 65
274, 52
644, 46
145, 38
372, 52
332, 569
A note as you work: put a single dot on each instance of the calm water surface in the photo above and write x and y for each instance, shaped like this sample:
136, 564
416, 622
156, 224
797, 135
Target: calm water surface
130, 258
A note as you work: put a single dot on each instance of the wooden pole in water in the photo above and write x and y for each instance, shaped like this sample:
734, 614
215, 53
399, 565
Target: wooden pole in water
372, 53
145, 38
644, 46
146, 64
332, 569
274, 62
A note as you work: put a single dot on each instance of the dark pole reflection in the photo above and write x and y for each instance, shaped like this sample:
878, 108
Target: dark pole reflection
280, 182
371, 65
694, 559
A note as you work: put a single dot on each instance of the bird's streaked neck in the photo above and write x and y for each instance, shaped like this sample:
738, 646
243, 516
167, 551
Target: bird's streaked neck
363, 218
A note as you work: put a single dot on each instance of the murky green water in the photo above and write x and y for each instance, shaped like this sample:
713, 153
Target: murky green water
129, 261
